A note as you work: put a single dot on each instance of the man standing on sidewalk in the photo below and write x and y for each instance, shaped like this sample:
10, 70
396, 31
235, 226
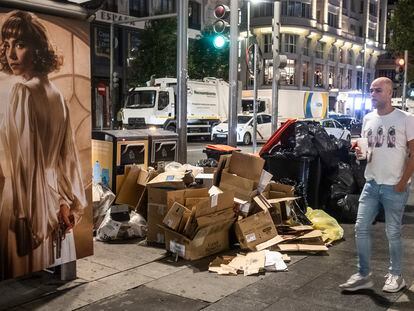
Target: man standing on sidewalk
390, 164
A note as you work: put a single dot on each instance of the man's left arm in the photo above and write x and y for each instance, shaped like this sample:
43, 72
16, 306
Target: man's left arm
408, 170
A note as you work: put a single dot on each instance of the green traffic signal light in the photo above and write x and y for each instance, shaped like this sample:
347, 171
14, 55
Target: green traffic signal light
219, 41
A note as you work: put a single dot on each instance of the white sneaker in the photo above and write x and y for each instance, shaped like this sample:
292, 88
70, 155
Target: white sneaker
393, 283
357, 282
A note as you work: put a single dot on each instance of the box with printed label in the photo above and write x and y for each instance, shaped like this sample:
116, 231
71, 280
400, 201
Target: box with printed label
174, 216
207, 241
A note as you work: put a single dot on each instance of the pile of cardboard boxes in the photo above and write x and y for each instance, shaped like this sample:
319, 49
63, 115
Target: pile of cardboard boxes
243, 206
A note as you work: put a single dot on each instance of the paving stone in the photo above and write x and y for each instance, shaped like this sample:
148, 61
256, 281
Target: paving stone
144, 298
201, 285
159, 269
404, 301
295, 304
91, 271
237, 303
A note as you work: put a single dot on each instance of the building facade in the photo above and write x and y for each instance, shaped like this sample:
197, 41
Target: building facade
331, 45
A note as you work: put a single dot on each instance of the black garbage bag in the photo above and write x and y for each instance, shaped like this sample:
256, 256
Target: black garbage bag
304, 141
346, 176
343, 146
358, 171
348, 208
326, 147
339, 190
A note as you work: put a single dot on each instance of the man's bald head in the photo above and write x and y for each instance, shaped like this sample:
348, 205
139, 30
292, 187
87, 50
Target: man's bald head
381, 93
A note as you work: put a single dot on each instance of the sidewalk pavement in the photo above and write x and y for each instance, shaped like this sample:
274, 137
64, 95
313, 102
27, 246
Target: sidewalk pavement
132, 276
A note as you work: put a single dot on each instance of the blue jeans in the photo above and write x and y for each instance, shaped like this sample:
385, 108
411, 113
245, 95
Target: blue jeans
372, 196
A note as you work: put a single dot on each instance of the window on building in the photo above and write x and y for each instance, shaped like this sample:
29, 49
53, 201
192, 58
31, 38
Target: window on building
360, 59
262, 10
305, 73
296, 8
165, 7
318, 76
372, 33
138, 8
320, 46
267, 43
268, 71
306, 46
353, 6
332, 20
290, 43
341, 55
332, 53
361, 6
290, 77
331, 77
350, 57
349, 79
368, 82
352, 29
341, 78
194, 15
373, 9
345, 4
359, 80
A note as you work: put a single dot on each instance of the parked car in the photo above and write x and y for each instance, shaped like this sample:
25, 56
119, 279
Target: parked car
334, 128
352, 124
245, 129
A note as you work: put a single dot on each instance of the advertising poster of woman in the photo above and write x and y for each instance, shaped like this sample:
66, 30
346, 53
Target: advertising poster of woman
45, 174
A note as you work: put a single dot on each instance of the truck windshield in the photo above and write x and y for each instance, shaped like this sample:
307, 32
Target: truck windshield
141, 99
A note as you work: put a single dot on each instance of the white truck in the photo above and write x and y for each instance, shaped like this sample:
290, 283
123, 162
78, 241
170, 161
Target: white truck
291, 103
155, 105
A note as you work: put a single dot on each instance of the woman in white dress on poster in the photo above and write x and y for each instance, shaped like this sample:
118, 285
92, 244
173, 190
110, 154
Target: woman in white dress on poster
41, 191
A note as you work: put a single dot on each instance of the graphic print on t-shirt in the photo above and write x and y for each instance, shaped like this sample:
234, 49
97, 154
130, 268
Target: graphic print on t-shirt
391, 137
378, 139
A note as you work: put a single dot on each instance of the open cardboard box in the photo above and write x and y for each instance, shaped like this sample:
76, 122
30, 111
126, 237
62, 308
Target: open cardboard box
256, 228
158, 189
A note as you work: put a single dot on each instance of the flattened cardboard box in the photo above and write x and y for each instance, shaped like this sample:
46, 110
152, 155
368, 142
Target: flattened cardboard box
158, 189
207, 241
255, 229
133, 186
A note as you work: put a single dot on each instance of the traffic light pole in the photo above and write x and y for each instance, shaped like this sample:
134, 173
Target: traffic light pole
276, 61
182, 70
255, 57
233, 61
404, 91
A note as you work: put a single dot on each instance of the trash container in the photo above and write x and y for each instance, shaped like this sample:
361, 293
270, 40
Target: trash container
114, 150
215, 151
305, 170
162, 144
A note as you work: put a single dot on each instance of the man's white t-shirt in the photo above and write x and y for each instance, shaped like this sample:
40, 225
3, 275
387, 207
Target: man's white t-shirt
387, 140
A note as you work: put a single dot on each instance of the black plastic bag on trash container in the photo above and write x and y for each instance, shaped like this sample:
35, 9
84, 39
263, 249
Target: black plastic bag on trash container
210, 162
304, 145
326, 147
343, 146
110, 229
103, 198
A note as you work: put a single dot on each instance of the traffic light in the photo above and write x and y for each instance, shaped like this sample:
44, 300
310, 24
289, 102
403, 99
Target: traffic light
115, 79
221, 26
399, 70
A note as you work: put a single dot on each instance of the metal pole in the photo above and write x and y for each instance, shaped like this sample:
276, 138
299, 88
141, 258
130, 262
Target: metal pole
247, 43
404, 95
233, 62
363, 80
111, 72
275, 52
256, 52
181, 118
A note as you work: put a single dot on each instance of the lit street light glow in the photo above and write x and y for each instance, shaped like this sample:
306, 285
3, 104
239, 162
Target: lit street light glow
219, 41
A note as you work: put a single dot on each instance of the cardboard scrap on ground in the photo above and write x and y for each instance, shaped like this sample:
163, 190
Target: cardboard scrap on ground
249, 264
